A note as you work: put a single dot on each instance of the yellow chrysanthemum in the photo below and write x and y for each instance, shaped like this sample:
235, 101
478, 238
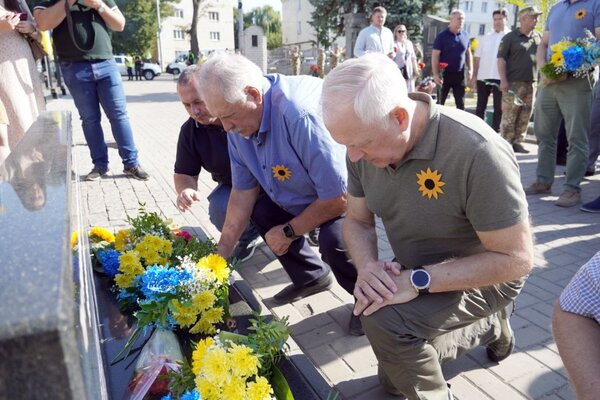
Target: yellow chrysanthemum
129, 263
207, 389
281, 172
430, 183
204, 300
74, 239
199, 353
123, 239
216, 365
203, 326
97, 233
217, 265
185, 316
581, 13
213, 315
124, 280
557, 59
234, 388
243, 362
559, 47
259, 390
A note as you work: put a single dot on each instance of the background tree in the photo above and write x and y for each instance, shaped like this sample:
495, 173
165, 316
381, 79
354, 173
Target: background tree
270, 20
139, 36
199, 9
327, 18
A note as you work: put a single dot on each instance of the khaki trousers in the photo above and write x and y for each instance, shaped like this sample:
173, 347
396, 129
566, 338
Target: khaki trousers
411, 340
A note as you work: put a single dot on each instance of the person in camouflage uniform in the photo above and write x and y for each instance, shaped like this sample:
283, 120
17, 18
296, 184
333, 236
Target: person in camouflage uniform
517, 68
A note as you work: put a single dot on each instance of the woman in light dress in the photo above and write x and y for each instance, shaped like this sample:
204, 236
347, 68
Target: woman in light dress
20, 83
405, 56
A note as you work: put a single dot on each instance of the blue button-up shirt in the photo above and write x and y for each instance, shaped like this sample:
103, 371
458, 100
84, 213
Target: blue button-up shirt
374, 40
568, 20
292, 157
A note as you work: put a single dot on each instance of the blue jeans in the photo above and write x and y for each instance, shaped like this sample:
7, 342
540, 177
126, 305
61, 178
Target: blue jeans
217, 209
99, 83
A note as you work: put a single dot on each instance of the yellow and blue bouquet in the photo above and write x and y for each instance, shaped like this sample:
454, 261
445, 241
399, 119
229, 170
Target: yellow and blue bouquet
576, 57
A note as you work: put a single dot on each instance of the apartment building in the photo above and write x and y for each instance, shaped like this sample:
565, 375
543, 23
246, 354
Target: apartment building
215, 29
478, 15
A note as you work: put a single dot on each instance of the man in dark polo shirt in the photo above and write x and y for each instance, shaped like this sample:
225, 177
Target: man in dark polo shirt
451, 46
203, 144
518, 72
92, 76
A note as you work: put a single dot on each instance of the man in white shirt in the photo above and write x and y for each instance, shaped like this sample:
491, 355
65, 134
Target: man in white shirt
375, 38
485, 72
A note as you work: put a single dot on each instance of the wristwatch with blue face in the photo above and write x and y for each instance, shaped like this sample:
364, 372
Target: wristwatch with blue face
420, 280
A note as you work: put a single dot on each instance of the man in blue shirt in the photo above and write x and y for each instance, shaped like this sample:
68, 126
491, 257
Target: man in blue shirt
451, 47
278, 142
569, 98
375, 38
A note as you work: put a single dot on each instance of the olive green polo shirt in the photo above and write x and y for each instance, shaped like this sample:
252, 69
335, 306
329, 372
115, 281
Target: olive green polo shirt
461, 177
89, 30
518, 50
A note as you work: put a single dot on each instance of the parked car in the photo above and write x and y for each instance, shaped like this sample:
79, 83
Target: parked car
149, 70
177, 65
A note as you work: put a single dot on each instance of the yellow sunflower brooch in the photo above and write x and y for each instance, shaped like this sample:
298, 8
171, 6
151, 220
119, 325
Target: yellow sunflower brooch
430, 183
581, 13
281, 172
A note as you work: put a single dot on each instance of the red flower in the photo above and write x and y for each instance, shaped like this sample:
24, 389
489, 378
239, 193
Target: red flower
314, 67
422, 65
443, 65
183, 234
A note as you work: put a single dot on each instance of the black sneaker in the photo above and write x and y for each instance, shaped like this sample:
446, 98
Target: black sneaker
313, 237
518, 148
504, 346
292, 293
137, 172
96, 173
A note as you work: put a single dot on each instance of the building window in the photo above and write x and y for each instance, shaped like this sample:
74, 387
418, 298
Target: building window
178, 13
481, 29
215, 36
178, 34
299, 28
468, 6
213, 15
300, 7
254, 40
467, 28
484, 7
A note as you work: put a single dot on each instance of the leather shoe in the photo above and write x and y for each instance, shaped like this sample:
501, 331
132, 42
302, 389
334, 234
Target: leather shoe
355, 326
291, 293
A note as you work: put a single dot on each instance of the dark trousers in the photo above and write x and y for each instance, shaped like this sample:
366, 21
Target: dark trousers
456, 82
483, 94
301, 263
129, 73
595, 132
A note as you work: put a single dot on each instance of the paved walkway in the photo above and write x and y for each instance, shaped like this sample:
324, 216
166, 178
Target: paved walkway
565, 239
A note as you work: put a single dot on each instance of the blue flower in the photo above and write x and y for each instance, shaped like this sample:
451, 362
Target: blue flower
574, 56
158, 280
191, 395
110, 261
167, 397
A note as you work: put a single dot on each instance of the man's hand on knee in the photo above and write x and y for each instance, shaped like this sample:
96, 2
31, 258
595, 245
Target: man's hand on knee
404, 293
186, 198
375, 283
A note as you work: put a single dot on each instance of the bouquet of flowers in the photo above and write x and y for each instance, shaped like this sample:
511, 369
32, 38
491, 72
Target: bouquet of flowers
577, 57
232, 366
427, 85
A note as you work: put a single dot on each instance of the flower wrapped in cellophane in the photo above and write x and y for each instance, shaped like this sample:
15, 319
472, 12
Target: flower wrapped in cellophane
577, 57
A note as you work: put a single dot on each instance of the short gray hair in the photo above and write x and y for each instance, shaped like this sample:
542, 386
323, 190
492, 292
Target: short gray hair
231, 74
457, 11
188, 75
371, 85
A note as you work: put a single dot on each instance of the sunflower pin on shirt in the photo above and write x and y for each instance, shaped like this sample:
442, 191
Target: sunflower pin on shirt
430, 183
281, 173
